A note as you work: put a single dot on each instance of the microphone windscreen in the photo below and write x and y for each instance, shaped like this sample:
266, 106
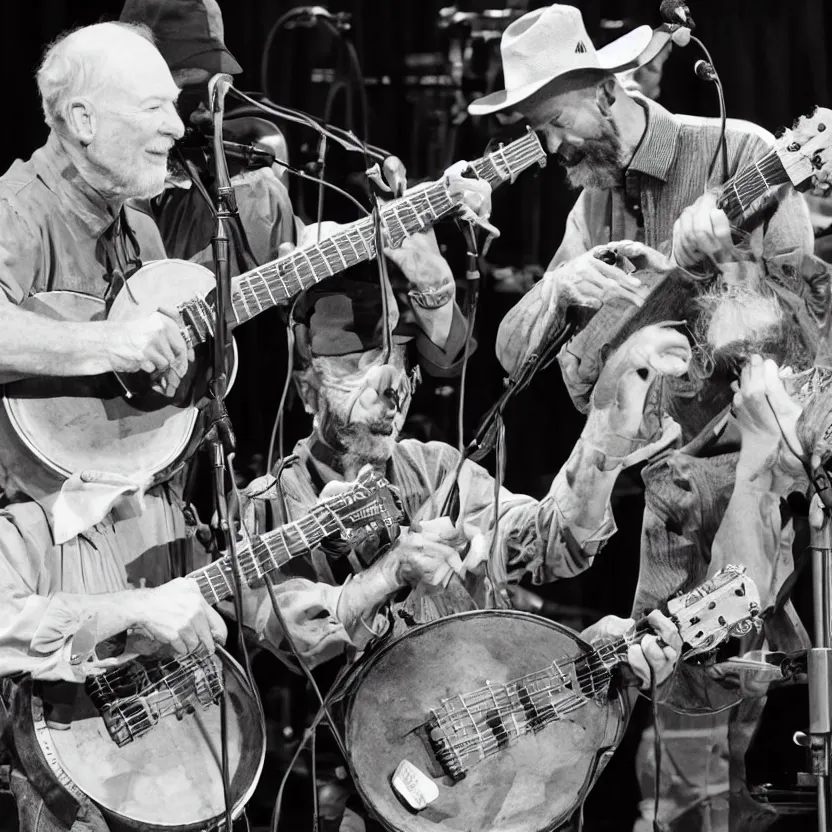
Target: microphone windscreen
676, 12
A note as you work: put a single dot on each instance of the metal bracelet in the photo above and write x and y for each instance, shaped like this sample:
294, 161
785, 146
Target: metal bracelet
433, 298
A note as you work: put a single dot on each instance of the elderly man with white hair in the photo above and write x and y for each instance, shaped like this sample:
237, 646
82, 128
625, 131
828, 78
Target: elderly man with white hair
66, 224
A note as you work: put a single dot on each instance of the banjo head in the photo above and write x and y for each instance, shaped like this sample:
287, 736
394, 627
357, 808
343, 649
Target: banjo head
532, 784
170, 778
59, 426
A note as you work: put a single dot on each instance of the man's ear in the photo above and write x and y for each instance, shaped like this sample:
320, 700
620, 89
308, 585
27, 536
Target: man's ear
605, 94
81, 120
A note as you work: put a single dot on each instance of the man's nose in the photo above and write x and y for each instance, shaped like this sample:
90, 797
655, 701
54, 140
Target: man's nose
552, 138
172, 125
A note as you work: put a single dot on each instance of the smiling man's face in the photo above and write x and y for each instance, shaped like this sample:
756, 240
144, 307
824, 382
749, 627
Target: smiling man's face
135, 123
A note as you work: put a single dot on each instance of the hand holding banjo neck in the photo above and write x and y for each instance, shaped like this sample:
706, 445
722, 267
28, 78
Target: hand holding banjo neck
799, 157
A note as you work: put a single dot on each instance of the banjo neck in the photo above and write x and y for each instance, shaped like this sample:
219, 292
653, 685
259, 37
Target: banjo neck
278, 281
367, 507
266, 553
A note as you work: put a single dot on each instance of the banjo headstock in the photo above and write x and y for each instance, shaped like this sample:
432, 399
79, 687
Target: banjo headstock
727, 605
804, 149
369, 506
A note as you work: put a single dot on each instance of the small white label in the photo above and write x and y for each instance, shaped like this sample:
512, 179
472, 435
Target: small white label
414, 787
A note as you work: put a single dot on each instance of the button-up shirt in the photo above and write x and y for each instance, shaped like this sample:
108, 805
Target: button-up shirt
55, 230
668, 172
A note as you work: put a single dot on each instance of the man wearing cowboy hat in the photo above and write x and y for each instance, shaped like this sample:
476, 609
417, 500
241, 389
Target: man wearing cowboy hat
639, 168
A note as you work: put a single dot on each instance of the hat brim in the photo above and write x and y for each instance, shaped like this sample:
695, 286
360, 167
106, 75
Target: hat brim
622, 54
211, 60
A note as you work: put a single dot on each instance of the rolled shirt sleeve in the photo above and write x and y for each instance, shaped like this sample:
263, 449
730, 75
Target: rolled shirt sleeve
37, 626
310, 612
540, 537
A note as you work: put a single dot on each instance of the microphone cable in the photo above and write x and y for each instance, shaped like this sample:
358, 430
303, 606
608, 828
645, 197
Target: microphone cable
709, 73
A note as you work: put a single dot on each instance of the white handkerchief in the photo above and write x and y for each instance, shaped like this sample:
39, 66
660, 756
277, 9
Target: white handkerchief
87, 497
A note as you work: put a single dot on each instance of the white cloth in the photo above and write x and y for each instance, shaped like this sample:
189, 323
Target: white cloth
87, 497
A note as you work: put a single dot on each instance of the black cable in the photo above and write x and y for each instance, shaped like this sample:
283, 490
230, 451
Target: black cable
722, 144
299, 173
472, 275
267, 48
340, 136
277, 428
381, 262
471, 312
278, 804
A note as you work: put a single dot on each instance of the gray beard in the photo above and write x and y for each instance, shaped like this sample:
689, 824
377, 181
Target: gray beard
741, 322
601, 163
357, 444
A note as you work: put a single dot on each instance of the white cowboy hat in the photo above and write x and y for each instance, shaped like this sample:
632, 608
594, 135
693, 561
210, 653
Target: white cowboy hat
547, 43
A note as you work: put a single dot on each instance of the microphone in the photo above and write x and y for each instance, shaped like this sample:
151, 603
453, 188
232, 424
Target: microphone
249, 156
705, 71
218, 86
677, 12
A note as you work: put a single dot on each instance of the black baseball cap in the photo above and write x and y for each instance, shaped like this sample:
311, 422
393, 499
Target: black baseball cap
189, 33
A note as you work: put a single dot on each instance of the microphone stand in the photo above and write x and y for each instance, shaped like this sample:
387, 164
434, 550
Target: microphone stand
820, 667
219, 438
486, 436
819, 739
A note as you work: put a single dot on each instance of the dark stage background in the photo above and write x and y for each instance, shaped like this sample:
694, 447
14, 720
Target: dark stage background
774, 62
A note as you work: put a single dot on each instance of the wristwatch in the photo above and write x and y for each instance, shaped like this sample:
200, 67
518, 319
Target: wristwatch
433, 298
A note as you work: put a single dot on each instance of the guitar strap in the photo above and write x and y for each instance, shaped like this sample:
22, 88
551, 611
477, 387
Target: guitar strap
121, 263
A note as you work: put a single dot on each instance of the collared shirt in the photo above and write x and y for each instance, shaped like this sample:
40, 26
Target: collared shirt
55, 230
51, 229
536, 537
670, 171
43, 586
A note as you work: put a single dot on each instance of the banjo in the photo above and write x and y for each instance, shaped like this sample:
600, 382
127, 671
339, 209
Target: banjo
51, 428
143, 740
502, 720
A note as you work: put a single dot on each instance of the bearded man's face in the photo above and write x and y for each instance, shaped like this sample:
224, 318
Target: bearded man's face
578, 128
362, 403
